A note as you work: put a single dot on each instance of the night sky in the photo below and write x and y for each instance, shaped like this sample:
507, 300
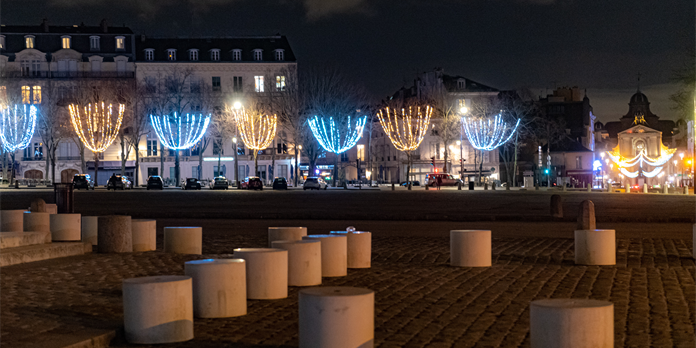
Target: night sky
600, 45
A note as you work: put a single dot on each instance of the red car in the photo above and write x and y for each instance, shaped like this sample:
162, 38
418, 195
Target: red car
252, 183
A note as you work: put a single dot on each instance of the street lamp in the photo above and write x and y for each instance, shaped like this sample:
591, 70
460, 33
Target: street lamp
675, 168
681, 156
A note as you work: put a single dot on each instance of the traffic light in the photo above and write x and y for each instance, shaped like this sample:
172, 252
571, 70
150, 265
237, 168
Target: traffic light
546, 171
432, 161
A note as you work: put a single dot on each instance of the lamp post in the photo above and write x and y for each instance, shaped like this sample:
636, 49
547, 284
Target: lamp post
237, 106
681, 156
297, 165
463, 110
601, 154
675, 169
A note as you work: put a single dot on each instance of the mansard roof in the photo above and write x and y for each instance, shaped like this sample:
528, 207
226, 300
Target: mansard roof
247, 45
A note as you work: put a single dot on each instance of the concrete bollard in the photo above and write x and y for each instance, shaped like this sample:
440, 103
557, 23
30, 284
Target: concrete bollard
589, 188
66, 227
115, 234
51, 208
359, 248
586, 216
338, 317
392, 186
37, 222
334, 254
158, 309
144, 234
493, 186
90, 229
645, 188
304, 261
595, 247
219, 287
556, 206
12, 220
38, 205
266, 272
459, 186
183, 240
285, 233
565, 188
565, 323
665, 189
485, 186
470, 248
686, 190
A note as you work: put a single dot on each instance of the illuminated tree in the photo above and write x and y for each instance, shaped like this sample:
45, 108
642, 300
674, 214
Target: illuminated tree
256, 128
179, 132
329, 136
17, 129
406, 130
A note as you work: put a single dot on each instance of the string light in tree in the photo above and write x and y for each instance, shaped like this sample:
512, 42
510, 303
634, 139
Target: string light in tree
405, 130
488, 134
256, 129
97, 125
330, 138
17, 127
178, 132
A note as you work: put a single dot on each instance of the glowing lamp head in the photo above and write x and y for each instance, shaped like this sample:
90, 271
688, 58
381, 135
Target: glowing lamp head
597, 164
688, 162
459, 142
681, 155
234, 140
300, 147
675, 162
237, 105
464, 110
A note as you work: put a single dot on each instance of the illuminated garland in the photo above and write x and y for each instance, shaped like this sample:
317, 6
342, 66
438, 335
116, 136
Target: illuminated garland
95, 125
408, 135
330, 139
179, 133
257, 130
488, 134
640, 159
17, 127
652, 173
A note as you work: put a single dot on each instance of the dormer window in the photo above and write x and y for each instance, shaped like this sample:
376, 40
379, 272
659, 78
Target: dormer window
171, 54
279, 55
461, 84
258, 54
29, 41
149, 54
120, 43
66, 42
2, 42
193, 54
215, 54
236, 54
94, 43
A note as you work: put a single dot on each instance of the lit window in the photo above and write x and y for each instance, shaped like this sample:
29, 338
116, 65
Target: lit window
215, 54
29, 41
66, 42
193, 54
94, 43
36, 95
150, 54
2, 42
280, 83
120, 43
279, 55
236, 54
171, 54
258, 83
26, 94
258, 54
361, 152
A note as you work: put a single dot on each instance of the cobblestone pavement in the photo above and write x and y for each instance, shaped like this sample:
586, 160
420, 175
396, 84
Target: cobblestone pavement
420, 300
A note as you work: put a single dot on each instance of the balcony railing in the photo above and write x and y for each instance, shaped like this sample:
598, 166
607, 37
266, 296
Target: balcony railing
68, 158
67, 74
33, 158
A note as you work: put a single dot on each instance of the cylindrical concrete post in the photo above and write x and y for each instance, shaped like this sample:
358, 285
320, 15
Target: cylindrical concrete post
90, 229
38, 205
144, 234
392, 186
595, 247
334, 254
337, 317
285, 233
266, 272
12, 220
219, 287
359, 248
589, 187
586, 216
66, 227
665, 189
567, 323
645, 188
37, 222
158, 309
493, 186
183, 240
485, 186
114, 234
557, 206
686, 190
470, 248
51, 208
304, 261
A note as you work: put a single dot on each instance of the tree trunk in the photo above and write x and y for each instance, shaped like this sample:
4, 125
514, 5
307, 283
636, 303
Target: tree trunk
48, 165
83, 163
200, 163
296, 170
514, 168
5, 169
256, 162
137, 163
12, 169
124, 156
96, 169
481, 168
161, 160
444, 165
219, 170
475, 164
53, 164
177, 175
271, 172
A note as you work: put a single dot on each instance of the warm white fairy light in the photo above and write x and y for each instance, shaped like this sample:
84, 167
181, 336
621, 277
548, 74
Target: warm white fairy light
488, 134
178, 132
96, 125
330, 138
17, 127
405, 130
257, 130
642, 158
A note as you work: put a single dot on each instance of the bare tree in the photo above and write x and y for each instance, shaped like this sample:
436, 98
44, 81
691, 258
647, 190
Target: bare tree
54, 123
447, 120
684, 100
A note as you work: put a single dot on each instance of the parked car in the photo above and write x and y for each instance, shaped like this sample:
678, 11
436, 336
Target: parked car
413, 183
220, 183
252, 183
315, 183
154, 182
447, 179
127, 182
192, 184
115, 182
82, 181
280, 184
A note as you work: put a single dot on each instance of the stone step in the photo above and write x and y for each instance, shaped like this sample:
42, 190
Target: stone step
18, 239
30, 253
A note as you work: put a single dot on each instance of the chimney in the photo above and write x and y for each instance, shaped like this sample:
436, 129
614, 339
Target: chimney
142, 38
44, 25
103, 26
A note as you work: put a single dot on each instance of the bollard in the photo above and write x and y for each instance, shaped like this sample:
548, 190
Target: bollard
665, 189
183, 240
507, 187
485, 186
565, 188
392, 186
334, 254
426, 187
285, 233
51, 208
493, 186
144, 234
470, 248
12, 220
66, 227
37, 222
338, 317
90, 229
589, 188
409, 186
686, 190
115, 234
566, 323
266, 272
359, 248
304, 261
38, 206
595, 247
459, 186
556, 206
586, 216
645, 188
219, 287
